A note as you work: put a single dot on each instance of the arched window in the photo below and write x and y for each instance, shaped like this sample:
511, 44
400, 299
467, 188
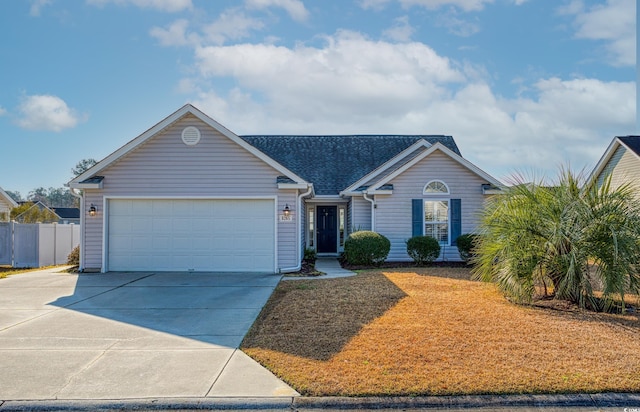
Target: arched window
436, 187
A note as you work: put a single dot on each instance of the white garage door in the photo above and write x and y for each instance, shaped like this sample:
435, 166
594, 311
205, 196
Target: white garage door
191, 234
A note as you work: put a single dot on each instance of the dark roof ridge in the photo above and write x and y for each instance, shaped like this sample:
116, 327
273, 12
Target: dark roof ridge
345, 135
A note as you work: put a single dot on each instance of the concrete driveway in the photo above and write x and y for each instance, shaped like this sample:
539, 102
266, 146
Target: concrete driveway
131, 335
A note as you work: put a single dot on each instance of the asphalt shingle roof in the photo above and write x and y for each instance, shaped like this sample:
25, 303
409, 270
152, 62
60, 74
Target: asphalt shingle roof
332, 163
632, 142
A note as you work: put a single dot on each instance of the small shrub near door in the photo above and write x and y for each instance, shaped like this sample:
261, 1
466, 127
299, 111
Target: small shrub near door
423, 249
310, 256
465, 245
366, 248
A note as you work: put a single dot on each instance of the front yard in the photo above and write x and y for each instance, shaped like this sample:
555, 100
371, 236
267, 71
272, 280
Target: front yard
433, 331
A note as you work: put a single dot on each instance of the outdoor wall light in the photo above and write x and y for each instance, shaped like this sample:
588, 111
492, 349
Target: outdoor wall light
286, 210
92, 210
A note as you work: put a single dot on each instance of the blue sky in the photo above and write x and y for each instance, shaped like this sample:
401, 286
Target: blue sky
522, 85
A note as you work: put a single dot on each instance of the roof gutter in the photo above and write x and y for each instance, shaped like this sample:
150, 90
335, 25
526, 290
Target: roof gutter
72, 190
299, 230
373, 211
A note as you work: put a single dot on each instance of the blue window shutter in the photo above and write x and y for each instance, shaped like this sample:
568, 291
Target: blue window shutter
417, 212
456, 220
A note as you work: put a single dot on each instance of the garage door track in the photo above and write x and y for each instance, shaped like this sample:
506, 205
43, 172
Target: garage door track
131, 335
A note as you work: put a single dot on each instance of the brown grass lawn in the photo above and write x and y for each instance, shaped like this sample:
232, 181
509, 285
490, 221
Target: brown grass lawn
433, 331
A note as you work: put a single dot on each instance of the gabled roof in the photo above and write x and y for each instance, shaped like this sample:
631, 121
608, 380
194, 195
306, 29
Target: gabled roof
7, 198
333, 163
442, 148
89, 178
631, 143
67, 212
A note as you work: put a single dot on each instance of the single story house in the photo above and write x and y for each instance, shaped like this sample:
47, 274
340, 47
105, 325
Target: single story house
6, 204
190, 195
67, 215
621, 161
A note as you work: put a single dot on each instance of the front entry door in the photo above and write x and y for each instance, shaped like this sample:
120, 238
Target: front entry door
327, 229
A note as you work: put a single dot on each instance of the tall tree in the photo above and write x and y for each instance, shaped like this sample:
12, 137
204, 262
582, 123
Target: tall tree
53, 197
564, 236
82, 166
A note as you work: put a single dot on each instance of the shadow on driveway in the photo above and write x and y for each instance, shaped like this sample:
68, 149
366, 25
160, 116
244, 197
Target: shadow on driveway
215, 308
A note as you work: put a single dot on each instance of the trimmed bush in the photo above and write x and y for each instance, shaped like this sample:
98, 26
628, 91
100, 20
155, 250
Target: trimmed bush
423, 249
74, 257
465, 243
366, 248
310, 255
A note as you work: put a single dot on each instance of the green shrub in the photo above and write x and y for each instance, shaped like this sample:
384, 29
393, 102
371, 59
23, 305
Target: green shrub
465, 244
74, 257
310, 255
423, 249
366, 248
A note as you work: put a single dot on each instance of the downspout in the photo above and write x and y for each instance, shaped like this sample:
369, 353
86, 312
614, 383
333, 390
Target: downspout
81, 197
298, 231
373, 211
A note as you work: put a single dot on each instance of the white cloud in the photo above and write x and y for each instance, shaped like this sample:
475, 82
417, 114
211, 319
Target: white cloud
3, 111
352, 84
350, 75
295, 8
170, 6
232, 24
373, 4
175, 34
456, 25
466, 5
401, 31
46, 112
613, 22
37, 6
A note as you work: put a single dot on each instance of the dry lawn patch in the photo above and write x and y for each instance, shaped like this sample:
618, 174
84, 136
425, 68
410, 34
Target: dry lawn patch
433, 331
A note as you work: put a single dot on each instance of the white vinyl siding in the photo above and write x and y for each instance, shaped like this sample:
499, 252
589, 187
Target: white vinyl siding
393, 212
360, 214
165, 166
623, 166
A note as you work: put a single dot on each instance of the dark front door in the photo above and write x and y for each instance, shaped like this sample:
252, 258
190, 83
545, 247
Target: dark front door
327, 229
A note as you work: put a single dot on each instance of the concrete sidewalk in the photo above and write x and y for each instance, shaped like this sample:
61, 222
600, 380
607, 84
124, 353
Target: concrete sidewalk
131, 335
329, 266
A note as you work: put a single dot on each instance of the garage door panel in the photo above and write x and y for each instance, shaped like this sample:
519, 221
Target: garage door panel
196, 234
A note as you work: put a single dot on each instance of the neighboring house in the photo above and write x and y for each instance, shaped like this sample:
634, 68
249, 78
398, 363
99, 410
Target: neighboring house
63, 215
621, 161
188, 194
6, 204
67, 215
38, 211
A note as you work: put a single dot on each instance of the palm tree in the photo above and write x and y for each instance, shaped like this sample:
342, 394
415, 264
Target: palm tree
565, 236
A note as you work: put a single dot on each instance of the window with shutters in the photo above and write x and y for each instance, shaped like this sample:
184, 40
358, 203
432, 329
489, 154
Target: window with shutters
436, 220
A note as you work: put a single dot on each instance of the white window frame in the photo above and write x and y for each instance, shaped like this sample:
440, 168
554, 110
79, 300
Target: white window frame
310, 227
424, 189
435, 222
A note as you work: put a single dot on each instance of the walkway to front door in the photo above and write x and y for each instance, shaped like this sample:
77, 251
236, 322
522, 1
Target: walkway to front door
327, 229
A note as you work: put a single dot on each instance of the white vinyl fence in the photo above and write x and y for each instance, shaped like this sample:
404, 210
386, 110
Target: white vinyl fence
32, 245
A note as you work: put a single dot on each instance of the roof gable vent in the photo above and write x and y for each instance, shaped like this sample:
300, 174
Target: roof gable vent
190, 136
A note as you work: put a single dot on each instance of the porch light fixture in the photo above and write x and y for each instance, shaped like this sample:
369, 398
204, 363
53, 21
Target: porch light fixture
286, 210
93, 210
